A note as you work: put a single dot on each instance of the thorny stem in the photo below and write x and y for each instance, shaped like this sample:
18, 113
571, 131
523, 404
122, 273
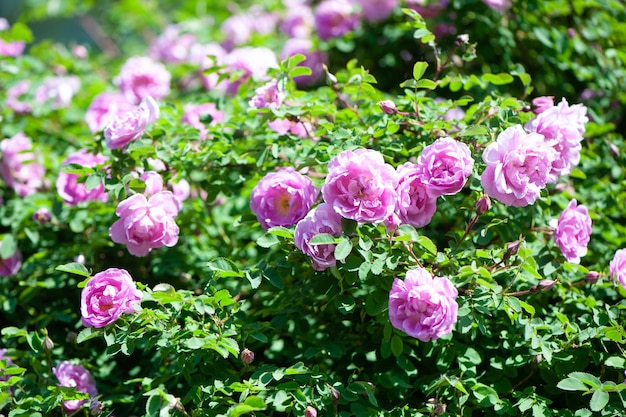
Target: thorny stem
468, 230
410, 249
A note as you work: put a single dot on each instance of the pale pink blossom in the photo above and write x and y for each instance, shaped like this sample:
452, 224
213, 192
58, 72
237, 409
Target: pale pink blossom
171, 45
335, 18
57, 91
414, 206
201, 115
617, 267
141, 76
247, 62
19, 165
269, 95
284, 126
104, 107
73, 192
572, 231
14, 93
130, 126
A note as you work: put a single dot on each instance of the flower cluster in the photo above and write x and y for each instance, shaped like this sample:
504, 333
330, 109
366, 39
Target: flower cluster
146, 223
108, 295
77, 377
422, 306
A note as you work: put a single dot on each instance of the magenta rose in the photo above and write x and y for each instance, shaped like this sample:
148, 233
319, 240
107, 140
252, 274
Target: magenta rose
146, 224
445, 165
108, 295
361, 186
422, 306
572, 231
19, 167
73, 192
563, 127
335, 18
282, 198
617, 267
518, 166
74, 376
129, 126
104, 107
377, 10
414, 206
322, 219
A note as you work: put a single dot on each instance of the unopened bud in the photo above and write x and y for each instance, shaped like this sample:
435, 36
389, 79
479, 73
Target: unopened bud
546, 284
95, 407
335, 394
72, 336
310, 412
461, 39
247, 356
48, 344
511, 249
592, 277
483, 205
541, 104
388, 106
42, 216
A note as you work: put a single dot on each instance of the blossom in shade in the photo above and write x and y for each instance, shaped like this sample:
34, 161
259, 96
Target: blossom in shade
310, 411
19, 167
108, 295
73, 192
335, 18
563, 127
74, 376
321, 219
14, 93
171, 45
201, 115
141, 76
130, 126
8, 361
269, 95
541, 104
282, 198
248, 62
444, 166
377, 10
518, 166
314, 59
298, 21
422, 306
104, 107
361, 186
146, 223
572, 231
414, 206
617, 267
10, 265
57, 91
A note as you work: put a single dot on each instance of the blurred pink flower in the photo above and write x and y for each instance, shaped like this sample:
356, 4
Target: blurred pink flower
15, 48
284, 126
248, 62
57, 91
268, 96
499, 5
335, 18
196, 113
298, 21
19, 167
14, 93
141, 76
171, 46
314, 59
68, 187
378, 10
104, 107
10, 265
74, 376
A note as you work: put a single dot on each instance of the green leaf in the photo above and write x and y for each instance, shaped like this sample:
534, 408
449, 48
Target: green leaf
498, 79
74, 268
224, 267
475, 130
599, 400
267, 240
343, 249
86, 334
618, 362
427, 244
299, 71
93, 181
419, 69
9, 245
396, 345
323, 239
485, 395
426, 84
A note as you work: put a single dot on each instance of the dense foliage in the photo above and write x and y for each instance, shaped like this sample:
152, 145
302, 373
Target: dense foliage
368, 208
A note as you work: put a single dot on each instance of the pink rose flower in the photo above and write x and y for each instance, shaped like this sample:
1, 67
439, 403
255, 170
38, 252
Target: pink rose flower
141, 77
57, 91
284, 126
377, 10
321, 219
76, 376
195, 112
499, 5
13, 98
282, 198
153, 181
10, 265
414, 206
129, 126
237, 30
518, 166
314, 59
572, 231
445, 165
361, 186
335, 18
181, 189
422, 306
617, 267
426, 8
104, 107
268, 96
146, 224
563, 127
208, 56
13, 49
298, 21
108, 295
68, 187
19, 167
171, 46
251, 62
